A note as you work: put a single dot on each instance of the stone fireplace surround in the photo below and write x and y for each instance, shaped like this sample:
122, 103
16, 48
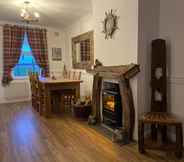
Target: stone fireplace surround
121, 74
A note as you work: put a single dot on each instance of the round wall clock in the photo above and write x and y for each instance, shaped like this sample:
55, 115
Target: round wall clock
110, 24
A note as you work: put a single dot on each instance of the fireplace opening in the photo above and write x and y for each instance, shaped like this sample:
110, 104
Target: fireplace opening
112, 108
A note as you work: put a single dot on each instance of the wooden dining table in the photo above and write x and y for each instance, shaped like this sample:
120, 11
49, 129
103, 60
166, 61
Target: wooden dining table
51, 85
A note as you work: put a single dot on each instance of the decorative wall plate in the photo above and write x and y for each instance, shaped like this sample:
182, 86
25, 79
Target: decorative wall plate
158, 73
110, 24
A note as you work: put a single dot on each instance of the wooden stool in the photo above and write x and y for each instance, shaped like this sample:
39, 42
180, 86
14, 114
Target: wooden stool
161, 119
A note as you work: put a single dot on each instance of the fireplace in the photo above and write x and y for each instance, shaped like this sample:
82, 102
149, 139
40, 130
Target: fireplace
111, 107
109, 112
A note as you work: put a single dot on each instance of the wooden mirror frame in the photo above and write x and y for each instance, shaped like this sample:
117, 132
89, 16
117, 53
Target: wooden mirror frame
78, 39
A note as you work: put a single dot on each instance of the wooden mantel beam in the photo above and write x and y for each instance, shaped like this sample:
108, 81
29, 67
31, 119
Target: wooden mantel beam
127, 71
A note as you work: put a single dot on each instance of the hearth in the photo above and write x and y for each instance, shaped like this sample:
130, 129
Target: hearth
111, 107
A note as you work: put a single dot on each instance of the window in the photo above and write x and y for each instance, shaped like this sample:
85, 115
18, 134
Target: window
27, 62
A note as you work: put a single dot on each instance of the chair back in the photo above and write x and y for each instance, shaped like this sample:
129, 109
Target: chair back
72, 75
32, 82
33, 77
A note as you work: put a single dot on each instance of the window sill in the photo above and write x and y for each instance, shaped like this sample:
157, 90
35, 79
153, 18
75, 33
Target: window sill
20, 80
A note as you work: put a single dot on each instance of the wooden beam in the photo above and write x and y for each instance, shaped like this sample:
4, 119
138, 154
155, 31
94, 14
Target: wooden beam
128, 71
97, 85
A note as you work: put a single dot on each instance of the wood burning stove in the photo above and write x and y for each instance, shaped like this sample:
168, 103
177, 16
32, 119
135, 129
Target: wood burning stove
112, 108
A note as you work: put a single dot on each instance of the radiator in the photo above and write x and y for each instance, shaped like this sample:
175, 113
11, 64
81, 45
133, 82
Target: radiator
17, 90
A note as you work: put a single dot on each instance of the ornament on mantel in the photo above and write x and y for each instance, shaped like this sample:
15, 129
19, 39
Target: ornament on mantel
110, 24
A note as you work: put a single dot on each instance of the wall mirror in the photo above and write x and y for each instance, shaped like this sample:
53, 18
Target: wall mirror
83, 51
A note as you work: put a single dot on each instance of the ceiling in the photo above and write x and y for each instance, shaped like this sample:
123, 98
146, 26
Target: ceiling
53, 13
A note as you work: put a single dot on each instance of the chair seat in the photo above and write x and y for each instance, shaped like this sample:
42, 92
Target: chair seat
160, 118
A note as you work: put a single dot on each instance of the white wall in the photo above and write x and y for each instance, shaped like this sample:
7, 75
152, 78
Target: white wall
122, 49
9, 94
148, 31
162, 19
83, 25
172, 29
56, 38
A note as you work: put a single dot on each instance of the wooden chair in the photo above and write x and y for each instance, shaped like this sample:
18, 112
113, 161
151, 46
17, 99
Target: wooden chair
161, 119
31, 86
33, 90
42, 98
72, 75
158, 118
38, 93
68, 96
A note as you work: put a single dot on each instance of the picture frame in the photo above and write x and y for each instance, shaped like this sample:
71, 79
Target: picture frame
83, 50
56, 54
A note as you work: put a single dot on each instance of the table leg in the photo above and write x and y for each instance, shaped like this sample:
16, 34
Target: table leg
62, 104
48, 103
77, 92
154, 132
179, 140
164, 134
141, 137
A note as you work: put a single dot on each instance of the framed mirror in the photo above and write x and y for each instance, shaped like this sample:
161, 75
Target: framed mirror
83, 51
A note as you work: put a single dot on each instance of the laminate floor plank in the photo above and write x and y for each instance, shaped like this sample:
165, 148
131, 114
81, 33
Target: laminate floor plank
27, 137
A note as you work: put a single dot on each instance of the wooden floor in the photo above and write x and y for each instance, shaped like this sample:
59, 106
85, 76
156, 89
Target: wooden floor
25, 137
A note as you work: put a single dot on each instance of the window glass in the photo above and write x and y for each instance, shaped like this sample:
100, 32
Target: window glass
27, 62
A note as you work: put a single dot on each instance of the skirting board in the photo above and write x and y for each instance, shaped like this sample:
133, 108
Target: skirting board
4, 101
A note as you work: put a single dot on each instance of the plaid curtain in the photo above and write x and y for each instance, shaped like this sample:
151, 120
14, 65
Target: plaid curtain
38, 42
12, 40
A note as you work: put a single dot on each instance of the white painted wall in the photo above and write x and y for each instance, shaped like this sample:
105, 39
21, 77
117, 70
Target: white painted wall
171, 29
83, 25
19, 89
148, 31
56, 38
122, 49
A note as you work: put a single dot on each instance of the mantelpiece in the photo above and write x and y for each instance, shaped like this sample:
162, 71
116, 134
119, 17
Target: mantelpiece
122, 74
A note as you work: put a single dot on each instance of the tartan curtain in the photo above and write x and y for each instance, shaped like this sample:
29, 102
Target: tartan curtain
38, 42
12, 40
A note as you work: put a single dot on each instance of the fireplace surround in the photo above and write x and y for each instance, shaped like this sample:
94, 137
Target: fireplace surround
122, 74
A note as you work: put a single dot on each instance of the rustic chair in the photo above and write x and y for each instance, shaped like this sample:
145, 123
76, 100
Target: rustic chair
31, 86
158, 118
33, 90
72, 75
41, 97
37, 90
68, 95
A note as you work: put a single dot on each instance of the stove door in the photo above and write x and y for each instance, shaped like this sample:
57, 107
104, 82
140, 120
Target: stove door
109, 101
